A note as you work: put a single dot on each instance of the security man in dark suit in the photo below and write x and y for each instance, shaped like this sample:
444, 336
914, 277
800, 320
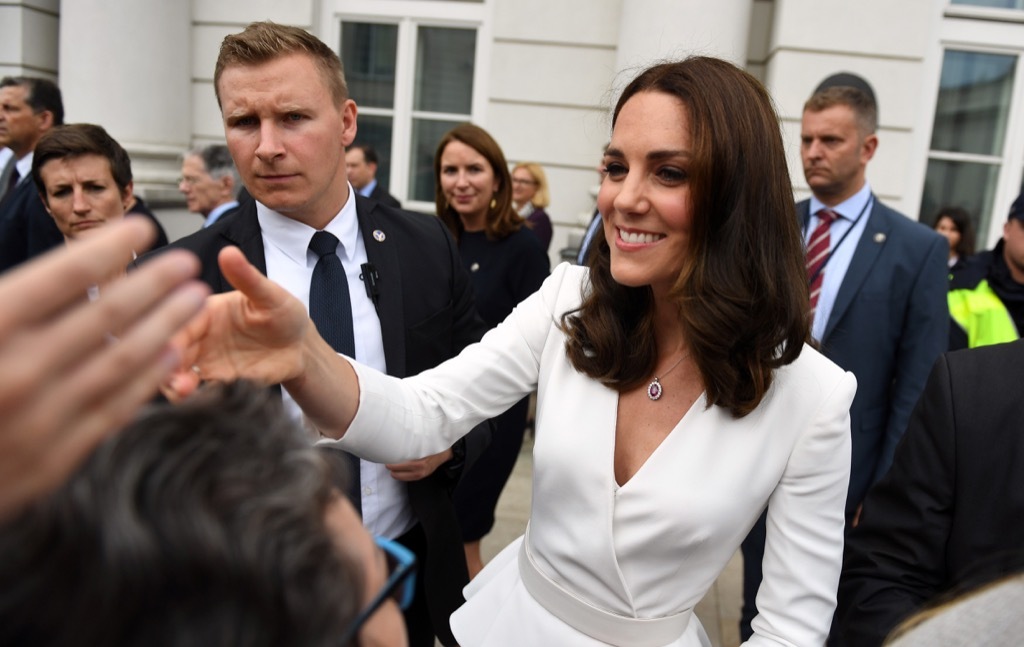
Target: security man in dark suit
287, 121
29, 108
877, 283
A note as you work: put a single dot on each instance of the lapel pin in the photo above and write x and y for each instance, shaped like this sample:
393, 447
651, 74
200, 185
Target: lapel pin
378, 235
474, 267
879, 237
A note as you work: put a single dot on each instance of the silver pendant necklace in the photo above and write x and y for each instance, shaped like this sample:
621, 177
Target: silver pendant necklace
654, 389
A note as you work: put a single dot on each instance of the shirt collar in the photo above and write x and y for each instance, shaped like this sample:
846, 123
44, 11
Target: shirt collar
847, 209
292, 237
24, 166
368, 189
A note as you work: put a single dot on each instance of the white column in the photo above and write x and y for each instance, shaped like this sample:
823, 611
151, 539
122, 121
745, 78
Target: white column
125, 65
652, 30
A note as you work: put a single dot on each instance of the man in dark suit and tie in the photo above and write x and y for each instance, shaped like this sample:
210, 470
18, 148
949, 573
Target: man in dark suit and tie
877, 284
950, 507
409, 306
362, 162
29, 108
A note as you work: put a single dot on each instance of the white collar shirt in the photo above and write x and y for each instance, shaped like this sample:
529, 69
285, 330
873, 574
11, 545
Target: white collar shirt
844, 234
385, 503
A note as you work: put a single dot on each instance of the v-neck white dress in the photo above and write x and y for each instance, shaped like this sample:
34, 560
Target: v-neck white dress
604, 564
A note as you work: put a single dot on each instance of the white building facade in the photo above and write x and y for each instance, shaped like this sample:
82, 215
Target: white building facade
542, 75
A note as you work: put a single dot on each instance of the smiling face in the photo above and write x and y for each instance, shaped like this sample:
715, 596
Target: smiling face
288, 137
468, 183
835, 153
645, 195
81, 194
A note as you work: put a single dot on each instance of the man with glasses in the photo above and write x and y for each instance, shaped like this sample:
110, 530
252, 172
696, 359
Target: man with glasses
210, 182
209, 523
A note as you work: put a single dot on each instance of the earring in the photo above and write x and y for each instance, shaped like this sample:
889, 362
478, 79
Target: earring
494, 203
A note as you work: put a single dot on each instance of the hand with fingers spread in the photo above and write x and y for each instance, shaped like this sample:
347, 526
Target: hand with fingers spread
67, 381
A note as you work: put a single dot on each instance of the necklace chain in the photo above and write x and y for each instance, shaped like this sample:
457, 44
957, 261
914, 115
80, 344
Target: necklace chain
655, 389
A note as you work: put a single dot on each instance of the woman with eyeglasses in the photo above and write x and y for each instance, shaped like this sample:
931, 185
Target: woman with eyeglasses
677, 396
530, 196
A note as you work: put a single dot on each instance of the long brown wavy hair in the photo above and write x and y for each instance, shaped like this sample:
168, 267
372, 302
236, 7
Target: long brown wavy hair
742, 290
502, 219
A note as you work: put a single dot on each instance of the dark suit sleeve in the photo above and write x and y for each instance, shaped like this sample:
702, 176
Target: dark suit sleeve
896, 557
924, 337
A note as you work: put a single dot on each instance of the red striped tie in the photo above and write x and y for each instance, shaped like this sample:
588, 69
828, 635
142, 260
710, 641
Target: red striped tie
817, 253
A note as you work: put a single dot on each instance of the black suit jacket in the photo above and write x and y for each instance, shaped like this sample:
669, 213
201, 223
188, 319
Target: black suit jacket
26, 228
383, 197
889, 324
427, 314
954, 497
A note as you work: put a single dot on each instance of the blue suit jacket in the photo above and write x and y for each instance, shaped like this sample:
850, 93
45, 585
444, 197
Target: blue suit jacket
889, 324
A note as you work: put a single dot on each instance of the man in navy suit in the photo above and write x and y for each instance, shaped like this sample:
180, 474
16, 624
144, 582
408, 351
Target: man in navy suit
879, 298
287, 122
29, 108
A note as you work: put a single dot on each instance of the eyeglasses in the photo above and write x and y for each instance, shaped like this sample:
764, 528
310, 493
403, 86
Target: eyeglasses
400, 586
517, 180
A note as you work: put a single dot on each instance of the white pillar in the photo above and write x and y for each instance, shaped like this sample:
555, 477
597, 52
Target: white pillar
653, 30
125, 65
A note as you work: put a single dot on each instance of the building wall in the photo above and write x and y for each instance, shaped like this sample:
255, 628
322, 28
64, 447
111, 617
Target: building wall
29, 37
885, 42
549, 72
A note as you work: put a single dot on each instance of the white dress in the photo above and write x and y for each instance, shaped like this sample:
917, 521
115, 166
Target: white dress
653, 547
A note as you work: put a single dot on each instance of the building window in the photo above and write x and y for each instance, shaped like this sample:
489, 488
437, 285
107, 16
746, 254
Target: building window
969, 135
995, 4
412, 83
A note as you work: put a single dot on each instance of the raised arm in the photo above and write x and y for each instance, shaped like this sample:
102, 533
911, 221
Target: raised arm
261, 332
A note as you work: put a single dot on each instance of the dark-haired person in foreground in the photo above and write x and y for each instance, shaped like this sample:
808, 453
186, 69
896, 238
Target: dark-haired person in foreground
211, 523
676, 395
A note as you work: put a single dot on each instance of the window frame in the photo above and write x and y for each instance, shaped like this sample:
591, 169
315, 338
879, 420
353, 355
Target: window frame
409, 16
985, 31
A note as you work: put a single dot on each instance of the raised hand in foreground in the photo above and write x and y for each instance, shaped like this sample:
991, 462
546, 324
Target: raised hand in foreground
74, 370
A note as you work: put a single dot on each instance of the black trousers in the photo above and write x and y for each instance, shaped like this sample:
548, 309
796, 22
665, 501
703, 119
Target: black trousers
418, 625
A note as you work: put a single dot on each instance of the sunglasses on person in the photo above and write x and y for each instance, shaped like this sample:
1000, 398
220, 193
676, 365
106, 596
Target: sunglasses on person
400, 585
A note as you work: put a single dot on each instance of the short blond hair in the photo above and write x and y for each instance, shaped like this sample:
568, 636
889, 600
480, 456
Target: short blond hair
266, 41
542, 198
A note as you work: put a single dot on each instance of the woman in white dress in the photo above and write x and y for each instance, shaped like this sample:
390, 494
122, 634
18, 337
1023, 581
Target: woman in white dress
676, 396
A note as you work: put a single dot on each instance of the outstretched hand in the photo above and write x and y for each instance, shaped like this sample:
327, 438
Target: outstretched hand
255, 332
74, 371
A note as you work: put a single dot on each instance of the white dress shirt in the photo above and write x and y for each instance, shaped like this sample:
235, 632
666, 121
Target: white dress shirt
853, 218
290, 263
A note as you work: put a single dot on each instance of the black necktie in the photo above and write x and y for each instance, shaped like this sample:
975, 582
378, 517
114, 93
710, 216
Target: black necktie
11, 182
329, 305
331, 312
